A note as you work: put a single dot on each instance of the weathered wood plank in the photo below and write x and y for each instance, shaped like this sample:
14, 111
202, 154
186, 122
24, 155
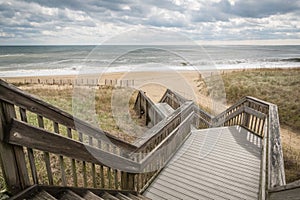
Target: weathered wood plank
276, 164
160, 128
94, 175
46, 154
13, 95
73, 163
289, 191
91, 196
154, 154
36, 138
84, 174
43, 195
70, 195
102, 183
10, 114
30, 151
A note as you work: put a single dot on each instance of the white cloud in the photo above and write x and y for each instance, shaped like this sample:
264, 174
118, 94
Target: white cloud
93, 20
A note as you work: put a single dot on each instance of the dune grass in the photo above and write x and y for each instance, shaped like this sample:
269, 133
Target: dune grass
278, 86
101, 116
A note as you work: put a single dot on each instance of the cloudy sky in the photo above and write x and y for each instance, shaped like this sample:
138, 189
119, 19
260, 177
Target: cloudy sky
95, 21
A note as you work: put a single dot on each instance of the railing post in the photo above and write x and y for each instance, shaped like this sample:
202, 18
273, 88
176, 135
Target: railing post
12, 157
127, 181
246, 120
276, 176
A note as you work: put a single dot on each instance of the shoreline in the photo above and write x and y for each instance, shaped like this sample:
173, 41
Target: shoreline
71, 73
120, 73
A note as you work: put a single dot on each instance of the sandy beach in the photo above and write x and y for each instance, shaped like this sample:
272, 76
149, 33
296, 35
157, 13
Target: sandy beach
153, 83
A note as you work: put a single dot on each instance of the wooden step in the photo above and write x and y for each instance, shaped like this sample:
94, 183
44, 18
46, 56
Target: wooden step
70, 195
91, 196
107, 196
43, 195
122, 196
137, 197
143, 197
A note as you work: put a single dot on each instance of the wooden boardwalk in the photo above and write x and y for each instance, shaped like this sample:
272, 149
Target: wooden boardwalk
218, 163
228, 162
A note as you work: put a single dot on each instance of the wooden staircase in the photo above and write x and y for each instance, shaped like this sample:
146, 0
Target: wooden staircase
39, 192
109, 168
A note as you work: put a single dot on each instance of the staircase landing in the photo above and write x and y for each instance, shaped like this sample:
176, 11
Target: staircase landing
216, 163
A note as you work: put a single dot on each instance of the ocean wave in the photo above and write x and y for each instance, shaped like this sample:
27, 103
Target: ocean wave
291, 60
11, 55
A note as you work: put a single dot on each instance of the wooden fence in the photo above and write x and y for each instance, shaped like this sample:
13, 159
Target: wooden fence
74, 81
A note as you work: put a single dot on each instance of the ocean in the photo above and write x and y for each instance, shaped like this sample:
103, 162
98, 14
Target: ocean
17, 61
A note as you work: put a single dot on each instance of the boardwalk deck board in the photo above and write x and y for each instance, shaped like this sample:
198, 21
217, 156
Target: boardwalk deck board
165, 108
217, 163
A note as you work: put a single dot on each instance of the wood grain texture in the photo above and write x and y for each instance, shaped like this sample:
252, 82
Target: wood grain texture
15, 96
29, 136
276, 164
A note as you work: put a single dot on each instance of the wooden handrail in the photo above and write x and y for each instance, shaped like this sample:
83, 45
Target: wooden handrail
156, 131
276, 174
143, 102
23, 134
151, 156
175, 99
15, 96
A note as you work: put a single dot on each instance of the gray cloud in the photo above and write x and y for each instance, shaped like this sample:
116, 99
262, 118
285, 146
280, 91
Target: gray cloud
43, 20
263, 8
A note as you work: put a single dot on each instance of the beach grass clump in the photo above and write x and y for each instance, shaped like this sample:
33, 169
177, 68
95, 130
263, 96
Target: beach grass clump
278, 86
100, 115
291, 163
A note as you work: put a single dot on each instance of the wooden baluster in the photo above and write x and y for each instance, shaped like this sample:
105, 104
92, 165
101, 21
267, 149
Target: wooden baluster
94, 175
116, 179
99, 144
80, 136
61, 159
73, 162
108, 169
102, 176
30, 151
116, 171
84, 174
109, 177
262, 127
93, 165
255, 124
46, 154
124, 182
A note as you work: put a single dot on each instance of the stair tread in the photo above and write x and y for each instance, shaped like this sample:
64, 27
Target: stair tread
108, 196
122, 196
91, 196
70, 195
43, 195
134, 197
143, 197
